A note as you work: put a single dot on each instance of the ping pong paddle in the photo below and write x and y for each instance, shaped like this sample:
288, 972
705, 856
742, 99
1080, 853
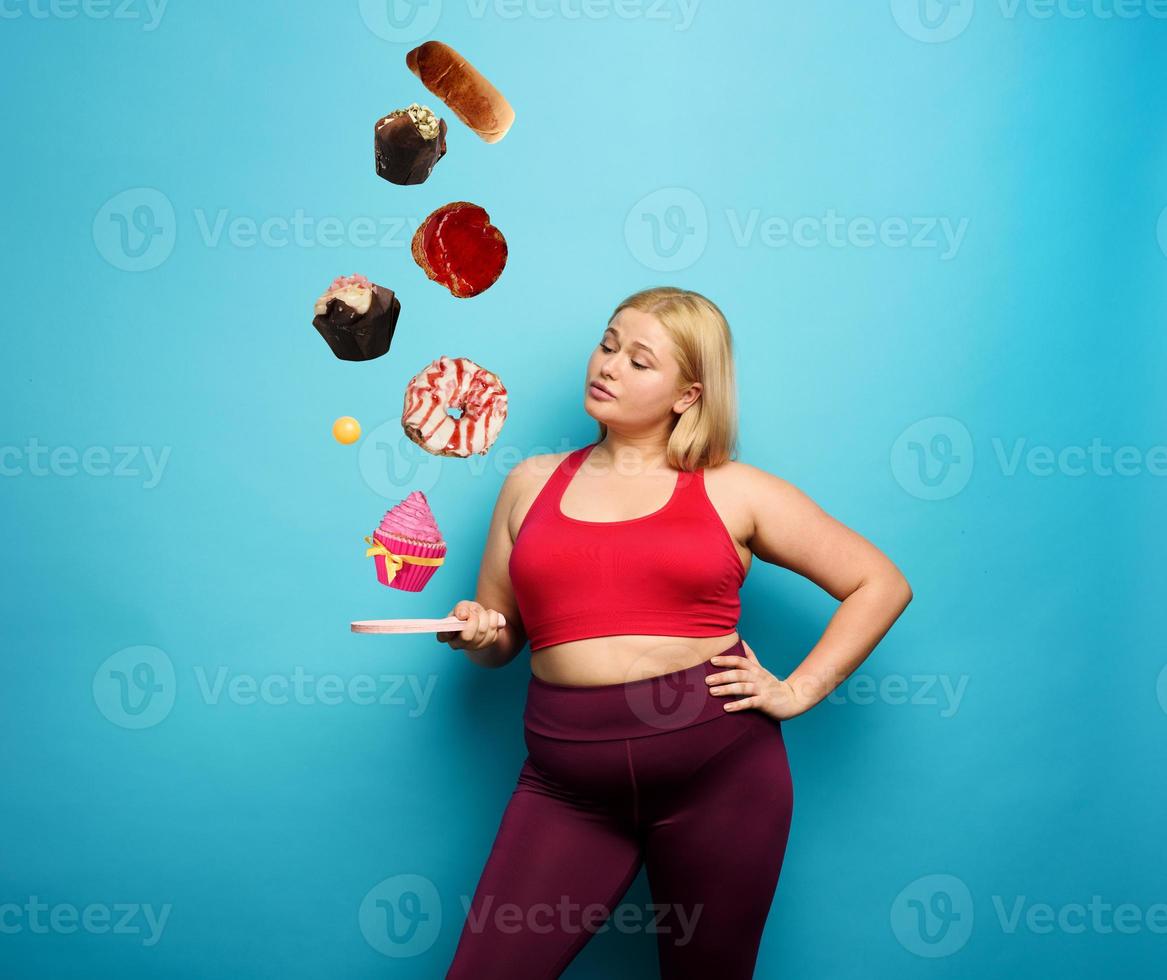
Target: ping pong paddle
450, 624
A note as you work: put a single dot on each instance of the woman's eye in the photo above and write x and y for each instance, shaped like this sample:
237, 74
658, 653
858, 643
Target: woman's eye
608, 350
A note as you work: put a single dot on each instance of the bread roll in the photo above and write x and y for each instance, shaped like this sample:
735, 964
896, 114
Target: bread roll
463, 88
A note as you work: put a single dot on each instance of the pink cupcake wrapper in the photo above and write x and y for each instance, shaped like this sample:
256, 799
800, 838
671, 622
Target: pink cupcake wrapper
410, 577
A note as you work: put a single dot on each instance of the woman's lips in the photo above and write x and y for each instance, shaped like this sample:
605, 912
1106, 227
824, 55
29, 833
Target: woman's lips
597, 392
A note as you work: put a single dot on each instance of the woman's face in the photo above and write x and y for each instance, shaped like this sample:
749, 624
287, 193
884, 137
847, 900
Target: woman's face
634, 361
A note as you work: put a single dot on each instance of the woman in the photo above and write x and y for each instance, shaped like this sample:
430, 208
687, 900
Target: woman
653, 730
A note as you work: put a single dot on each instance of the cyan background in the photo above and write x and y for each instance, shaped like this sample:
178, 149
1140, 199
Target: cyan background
878, 379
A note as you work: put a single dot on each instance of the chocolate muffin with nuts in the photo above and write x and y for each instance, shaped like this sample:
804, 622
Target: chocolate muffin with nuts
408, 143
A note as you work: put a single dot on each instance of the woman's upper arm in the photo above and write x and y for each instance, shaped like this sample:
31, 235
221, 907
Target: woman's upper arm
792, 531
494, 589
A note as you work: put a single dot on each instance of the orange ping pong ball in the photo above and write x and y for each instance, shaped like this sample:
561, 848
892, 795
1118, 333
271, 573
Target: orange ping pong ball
346, 430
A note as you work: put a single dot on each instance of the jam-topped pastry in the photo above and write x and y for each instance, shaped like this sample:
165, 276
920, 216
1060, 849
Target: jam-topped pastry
458, 247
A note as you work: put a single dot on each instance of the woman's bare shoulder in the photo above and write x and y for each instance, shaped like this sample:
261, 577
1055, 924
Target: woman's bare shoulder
734, 476
731, 466
742, 492
746, 478
535, 468
524, 482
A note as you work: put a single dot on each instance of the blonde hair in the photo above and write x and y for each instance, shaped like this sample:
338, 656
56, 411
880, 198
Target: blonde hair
706, 433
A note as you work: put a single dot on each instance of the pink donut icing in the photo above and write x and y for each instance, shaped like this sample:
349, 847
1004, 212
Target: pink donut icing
454, 383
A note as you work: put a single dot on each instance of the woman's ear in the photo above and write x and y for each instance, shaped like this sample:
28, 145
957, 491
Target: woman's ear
688, 397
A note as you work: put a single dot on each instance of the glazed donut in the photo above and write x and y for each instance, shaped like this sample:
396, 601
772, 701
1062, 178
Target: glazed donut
454, 383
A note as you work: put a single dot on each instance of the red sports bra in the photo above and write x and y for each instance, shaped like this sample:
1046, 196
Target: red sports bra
674, 572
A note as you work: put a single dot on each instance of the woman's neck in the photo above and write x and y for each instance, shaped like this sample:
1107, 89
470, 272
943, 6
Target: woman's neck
633, 454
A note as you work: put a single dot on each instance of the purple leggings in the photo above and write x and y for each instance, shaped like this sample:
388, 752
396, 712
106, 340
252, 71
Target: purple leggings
651, 772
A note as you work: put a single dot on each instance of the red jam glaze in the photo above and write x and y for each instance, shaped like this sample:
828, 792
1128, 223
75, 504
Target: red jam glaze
466, 253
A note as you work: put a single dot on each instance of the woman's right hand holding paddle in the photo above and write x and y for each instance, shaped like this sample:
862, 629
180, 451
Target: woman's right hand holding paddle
481, 629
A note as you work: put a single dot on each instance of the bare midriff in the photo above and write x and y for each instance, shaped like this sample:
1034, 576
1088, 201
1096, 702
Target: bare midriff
629, 657
620, 659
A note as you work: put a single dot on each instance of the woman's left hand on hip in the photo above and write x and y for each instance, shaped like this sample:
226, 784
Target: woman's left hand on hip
745, 675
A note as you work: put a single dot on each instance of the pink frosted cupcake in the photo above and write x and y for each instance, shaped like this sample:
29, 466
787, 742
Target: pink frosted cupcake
407, 547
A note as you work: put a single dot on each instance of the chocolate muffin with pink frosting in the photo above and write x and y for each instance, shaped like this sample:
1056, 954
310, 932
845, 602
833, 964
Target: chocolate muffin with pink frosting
407, 546
357, 317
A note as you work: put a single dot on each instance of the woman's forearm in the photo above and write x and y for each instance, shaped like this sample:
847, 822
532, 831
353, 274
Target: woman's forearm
501, 652
856, 627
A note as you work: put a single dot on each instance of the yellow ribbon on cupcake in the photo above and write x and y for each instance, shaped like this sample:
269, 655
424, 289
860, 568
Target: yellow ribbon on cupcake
394, 562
